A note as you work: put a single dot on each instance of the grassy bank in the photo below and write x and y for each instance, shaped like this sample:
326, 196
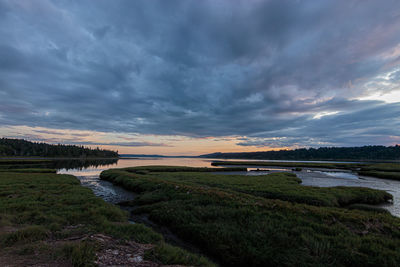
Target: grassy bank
47, 218
263, 221
29, 170
23, 161
6, 164
380, 174
386, 167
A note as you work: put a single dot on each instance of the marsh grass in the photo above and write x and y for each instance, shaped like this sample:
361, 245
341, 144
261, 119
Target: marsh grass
24, 164
30, 170
168, 254
41, 207
382, 170
17, 161
26, 235
81, 254
385, 167
240, 221
381, 174
368, 208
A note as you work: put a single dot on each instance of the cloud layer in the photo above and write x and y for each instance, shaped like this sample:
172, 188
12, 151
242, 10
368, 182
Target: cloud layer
281, 73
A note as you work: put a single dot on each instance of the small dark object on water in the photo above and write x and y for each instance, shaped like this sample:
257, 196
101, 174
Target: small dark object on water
258, 170
297, 169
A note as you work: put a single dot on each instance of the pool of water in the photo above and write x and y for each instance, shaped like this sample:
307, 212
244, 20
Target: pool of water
106, 190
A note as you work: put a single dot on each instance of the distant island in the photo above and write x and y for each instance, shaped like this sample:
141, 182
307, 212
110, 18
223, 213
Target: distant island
23, 148
322, 153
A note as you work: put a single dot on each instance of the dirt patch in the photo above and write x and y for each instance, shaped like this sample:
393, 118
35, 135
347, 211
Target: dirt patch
116, 253
111, 252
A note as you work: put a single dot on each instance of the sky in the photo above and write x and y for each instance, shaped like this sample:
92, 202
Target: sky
188, 77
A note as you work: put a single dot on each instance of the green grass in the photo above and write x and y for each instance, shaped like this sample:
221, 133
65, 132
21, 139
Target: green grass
23, 164
27, 234
6, 167
167, 254
43, 206
30, 170
381, 174
368, 208
234, 219
81, 254
386, 167
23, 161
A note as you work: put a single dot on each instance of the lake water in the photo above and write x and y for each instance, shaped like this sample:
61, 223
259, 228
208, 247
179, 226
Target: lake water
89, 177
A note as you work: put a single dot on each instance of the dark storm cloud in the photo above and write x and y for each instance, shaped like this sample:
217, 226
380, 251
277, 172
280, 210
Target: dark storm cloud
263, 69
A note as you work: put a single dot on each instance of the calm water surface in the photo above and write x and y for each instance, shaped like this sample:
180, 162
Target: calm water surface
89, 177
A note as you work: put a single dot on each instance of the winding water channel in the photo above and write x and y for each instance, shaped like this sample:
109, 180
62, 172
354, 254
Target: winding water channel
89, 176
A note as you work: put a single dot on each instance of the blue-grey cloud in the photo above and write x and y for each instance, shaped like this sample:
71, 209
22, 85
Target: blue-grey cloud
262, 69
77, 141
128, 144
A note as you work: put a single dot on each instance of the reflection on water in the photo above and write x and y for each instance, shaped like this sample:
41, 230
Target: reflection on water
126, 162
273, 169
104, 189
77, 164
342, 175
89, 177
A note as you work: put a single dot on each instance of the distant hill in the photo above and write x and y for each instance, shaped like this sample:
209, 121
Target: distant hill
23, 148
322, 153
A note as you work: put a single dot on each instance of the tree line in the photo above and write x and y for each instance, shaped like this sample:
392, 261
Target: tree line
22, 148
322, 153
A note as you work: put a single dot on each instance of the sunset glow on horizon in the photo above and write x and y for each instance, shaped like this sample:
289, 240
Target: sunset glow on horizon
131, 144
